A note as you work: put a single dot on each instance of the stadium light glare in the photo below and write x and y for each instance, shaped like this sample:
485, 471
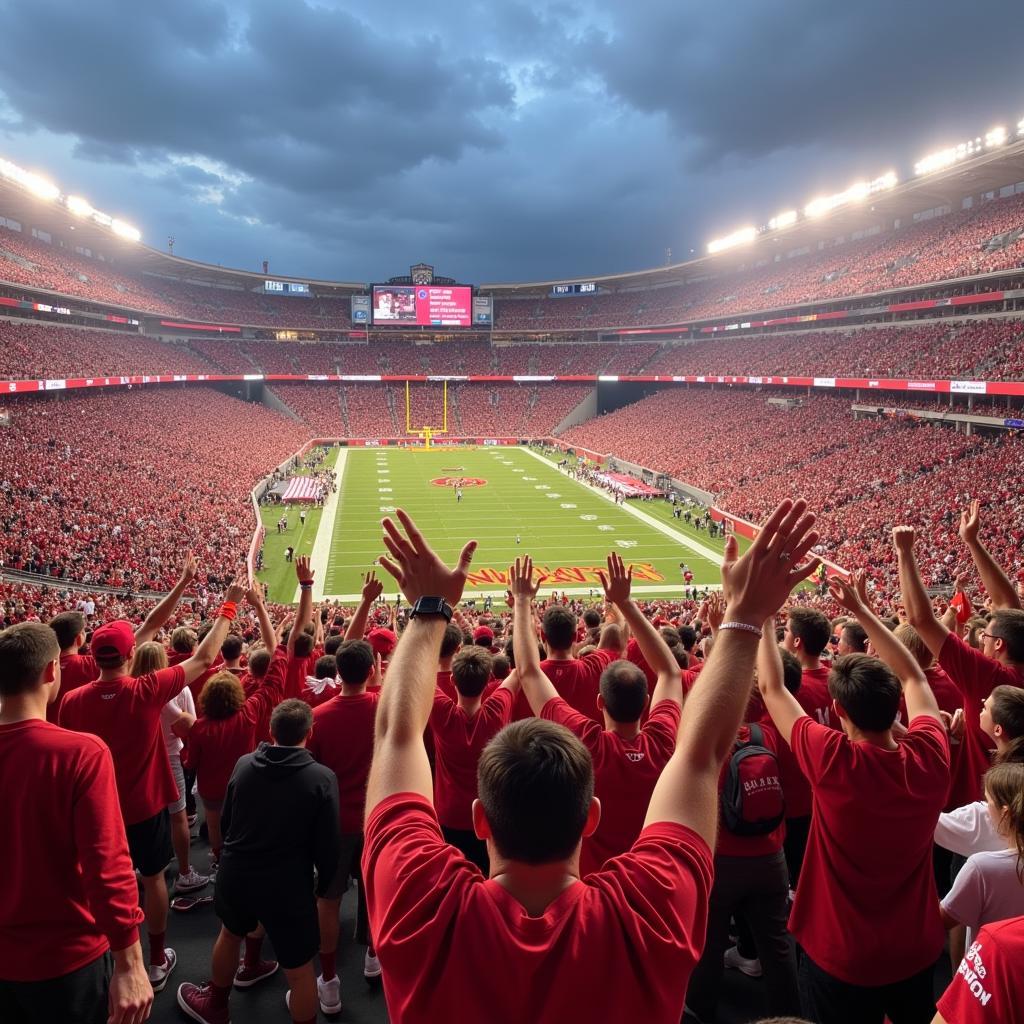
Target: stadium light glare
943, 158
739, 237
78, 206
123, 230
34, 183
1020, 126
857, 192
995, 137
783, 220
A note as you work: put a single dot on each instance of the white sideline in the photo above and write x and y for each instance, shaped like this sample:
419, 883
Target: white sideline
320, 556
714, 557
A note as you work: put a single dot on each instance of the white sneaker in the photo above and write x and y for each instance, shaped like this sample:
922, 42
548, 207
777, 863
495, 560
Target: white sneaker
159, 973
329, 993
191, 882
751, 968
371, 967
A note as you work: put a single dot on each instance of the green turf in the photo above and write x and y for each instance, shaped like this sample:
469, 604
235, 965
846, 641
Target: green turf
570, 542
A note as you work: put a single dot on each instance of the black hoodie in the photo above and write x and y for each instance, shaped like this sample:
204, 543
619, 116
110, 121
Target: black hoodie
280, 818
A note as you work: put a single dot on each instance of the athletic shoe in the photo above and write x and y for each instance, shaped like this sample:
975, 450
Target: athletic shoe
246, 977
191, 882
197, 1002
329, 993
159, 973
371, 967
750, 967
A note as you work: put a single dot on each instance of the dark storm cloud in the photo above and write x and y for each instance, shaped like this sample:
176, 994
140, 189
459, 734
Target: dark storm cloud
519, 140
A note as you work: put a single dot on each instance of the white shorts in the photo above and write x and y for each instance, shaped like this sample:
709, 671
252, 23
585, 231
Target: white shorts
179, 780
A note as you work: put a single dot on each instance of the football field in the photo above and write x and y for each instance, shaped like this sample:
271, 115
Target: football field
510, 494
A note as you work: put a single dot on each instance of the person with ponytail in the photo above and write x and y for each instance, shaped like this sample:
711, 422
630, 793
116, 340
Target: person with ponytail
969, 829
991, 885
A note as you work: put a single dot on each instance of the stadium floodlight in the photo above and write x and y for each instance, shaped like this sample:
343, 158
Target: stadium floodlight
103, 219
857, 192
944, 158
78, 206
783, 220
738, 237
1020, 126
34, 183
123, 230
995, 137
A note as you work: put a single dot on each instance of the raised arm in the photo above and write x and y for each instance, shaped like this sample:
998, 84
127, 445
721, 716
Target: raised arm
156, 619
915, 598
521, 592
756, 586
783, 707
617, 586
304, 574
372, 589
400, 762
999, 588
254, 598
205, 654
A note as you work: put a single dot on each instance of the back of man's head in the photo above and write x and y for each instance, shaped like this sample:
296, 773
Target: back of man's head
471, 670
559, 627
1007, 625
687, 637
911, 639
68, 626
624, 691
325, 668
536, 783
854, 639
792, 671
291, 721
354, 662
500, 667
866, 689
25, 651
591, 618
811, 628
332, 643
231, 649
304, 644
451, 641
259, 662
183, 640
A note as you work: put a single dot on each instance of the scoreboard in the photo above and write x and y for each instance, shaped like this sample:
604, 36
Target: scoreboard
579, 288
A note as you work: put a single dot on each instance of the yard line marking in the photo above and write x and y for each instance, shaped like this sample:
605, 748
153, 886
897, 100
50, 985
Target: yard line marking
320, 556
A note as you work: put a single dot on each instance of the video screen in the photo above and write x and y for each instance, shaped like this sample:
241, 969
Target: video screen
422, 305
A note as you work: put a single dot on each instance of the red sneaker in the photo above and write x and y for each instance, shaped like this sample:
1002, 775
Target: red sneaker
198, 1002
246, 977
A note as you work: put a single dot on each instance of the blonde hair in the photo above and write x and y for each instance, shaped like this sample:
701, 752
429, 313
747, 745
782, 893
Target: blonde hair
911, 639
149, 657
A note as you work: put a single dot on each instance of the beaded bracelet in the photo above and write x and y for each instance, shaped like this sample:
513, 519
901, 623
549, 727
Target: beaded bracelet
744, 627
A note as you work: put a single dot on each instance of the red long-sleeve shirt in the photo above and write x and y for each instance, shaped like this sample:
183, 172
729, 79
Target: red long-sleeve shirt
69, 893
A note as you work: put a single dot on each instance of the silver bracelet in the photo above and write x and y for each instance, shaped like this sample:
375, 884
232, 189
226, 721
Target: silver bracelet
744, 627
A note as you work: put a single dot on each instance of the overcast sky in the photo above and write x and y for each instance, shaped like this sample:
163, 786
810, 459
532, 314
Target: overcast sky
498, 141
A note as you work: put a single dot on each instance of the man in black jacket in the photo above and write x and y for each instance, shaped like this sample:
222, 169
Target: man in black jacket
280, 820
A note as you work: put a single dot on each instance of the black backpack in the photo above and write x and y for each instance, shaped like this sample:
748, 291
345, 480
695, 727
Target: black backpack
752, 801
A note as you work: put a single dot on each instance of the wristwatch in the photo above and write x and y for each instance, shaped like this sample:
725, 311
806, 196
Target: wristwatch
432, 606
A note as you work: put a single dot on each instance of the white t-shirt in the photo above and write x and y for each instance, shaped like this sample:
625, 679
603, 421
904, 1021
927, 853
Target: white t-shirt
987, 889
172, 709
969, 830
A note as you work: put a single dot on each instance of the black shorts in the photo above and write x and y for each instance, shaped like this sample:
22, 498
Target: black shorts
76, 998
287, 912
149, 843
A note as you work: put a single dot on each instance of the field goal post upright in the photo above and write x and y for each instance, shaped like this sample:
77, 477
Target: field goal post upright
426, 433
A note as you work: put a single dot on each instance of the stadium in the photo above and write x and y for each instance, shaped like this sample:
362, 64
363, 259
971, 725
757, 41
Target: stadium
864, 353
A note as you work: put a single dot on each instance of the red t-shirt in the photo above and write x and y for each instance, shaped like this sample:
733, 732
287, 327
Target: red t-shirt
634, 654
577, 680
458, 743
126, 714
443, 930
625, 772
813, 695
814, 698
75, 670
976, 674
215, 744
69, 893
342, 740
866, 907
989, 984
446, 685
731, 845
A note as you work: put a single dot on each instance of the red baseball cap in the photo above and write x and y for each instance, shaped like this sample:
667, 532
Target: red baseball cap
483, 633
382, 641
115, 637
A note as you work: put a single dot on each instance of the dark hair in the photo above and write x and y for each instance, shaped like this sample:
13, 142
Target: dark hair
232, 647
67, 626
259, 662
303, 644
451, 641
624, 689
811, 628
687, 637
332, 643
792, 670
500, 667
1007, 710
559, 627
25, 651
536, 782
354, 662
471, 670
291, 721
325, 668
591, 618
1007, 624
222, 696
855, 637
867, 690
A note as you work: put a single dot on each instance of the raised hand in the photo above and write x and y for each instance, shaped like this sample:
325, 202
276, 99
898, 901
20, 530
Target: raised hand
903, 538
254, 597
970, 522
302, 570
850, 595
619, 580
190, 569
520, 581
714, 611
372, 587
757, 585
236, 591
416, 567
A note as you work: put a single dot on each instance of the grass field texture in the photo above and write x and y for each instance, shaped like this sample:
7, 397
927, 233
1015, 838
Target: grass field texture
567, 527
